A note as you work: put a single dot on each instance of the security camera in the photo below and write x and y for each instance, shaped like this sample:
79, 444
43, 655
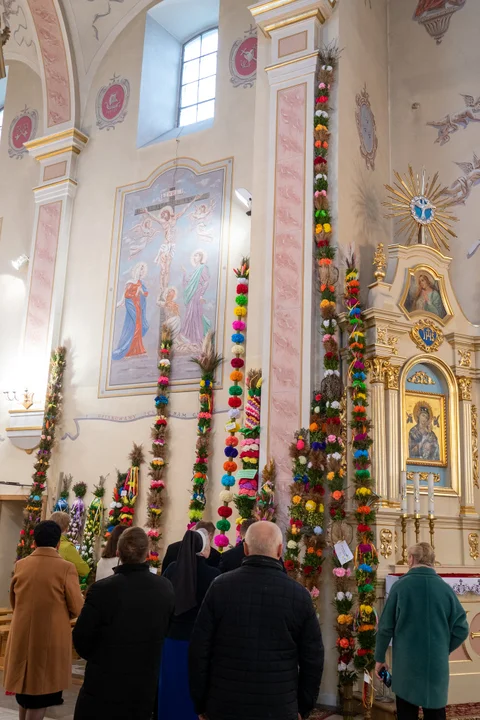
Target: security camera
245, 197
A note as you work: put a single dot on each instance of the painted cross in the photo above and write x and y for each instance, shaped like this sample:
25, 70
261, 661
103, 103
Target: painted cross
173, 199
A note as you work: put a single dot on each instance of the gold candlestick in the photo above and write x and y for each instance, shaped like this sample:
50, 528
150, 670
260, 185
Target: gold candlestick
403, 520
417, 527
431, 528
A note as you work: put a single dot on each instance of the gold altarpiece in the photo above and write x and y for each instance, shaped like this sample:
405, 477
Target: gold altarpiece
423, 358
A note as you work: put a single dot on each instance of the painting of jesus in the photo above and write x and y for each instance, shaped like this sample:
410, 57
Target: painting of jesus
174, 269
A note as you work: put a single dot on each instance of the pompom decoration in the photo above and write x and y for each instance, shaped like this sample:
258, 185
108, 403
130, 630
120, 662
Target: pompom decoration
208, 361
327, 410
53, 404
62, 503
265, 500
159, 451
246, 496
93, 529
116, 504
77, 514
366, 558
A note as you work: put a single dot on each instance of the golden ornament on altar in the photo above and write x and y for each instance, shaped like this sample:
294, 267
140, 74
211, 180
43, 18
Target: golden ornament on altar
418, 205
380, 262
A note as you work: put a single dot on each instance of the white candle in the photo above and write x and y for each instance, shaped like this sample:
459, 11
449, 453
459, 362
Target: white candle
403, 493
431, 495
416, 493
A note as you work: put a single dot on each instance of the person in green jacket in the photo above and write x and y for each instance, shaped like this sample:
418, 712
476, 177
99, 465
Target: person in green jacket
426, 622
67, 549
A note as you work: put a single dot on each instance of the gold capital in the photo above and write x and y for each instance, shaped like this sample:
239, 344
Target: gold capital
464, 388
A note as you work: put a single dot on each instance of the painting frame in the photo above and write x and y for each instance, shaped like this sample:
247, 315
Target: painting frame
410, 280
435, 403
197, 169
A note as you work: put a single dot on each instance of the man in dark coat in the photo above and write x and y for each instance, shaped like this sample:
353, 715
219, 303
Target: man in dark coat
173, 549
427, 623
232, 559
120, 633
256, 651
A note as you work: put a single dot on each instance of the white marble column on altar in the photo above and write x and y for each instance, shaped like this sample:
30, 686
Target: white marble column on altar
376, 367
292, 29
467, 503
393, 438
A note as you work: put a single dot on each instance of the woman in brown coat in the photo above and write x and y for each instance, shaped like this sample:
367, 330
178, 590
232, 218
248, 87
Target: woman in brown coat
44, 595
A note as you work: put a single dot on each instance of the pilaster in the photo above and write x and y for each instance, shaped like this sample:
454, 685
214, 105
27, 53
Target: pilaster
467, 502
293, 30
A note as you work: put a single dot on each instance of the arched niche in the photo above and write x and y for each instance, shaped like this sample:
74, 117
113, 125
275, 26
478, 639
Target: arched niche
427, 382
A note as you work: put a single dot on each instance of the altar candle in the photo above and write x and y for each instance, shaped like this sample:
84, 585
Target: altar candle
403, 493
431, 495
416, 493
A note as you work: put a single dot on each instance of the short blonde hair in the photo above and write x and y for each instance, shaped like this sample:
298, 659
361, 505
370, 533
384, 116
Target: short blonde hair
422, 554
62, 519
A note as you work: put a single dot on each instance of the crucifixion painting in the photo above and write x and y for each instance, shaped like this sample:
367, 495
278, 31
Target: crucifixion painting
166, 268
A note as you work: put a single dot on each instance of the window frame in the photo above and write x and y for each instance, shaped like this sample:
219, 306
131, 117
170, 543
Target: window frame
180, 84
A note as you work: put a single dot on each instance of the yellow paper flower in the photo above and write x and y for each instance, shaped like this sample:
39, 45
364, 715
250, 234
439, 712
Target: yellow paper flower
330, 476
324, 303
310, 505
296, 499
327, 227
320, 508
366, 609
363, 491
202, 383
295, 530
318, 228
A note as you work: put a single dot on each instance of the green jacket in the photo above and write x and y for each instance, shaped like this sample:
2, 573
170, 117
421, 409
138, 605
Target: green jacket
424, 618
68, 551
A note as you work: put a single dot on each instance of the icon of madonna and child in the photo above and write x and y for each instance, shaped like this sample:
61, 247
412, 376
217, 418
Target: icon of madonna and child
426, 439
188, 331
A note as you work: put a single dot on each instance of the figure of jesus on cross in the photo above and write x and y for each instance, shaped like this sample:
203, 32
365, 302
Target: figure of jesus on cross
167, 219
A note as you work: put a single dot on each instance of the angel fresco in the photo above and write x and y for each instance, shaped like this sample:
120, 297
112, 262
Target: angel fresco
461, 188
451, 123
435, 16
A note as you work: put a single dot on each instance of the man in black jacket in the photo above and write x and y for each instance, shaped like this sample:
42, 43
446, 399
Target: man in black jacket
120, 633
173, 549
232, 559
256, 651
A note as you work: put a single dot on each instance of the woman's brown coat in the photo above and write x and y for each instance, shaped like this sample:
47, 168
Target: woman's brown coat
44, 594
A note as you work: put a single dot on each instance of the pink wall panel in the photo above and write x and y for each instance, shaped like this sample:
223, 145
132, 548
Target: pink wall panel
285, 373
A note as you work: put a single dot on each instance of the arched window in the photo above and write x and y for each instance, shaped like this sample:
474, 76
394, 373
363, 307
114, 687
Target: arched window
198, 80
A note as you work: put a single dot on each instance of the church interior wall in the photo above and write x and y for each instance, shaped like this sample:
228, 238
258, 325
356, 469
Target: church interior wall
429, 81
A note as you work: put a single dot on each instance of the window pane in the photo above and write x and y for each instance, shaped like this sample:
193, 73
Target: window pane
188, 116
190, 71
189, 94
208, 65
209, 42
206, 89
192, 49
206, 110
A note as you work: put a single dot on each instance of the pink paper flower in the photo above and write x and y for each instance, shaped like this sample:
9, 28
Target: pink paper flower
341, 572
332, 438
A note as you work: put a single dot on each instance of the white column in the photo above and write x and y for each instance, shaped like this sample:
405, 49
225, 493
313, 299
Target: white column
392, 433
376, 368
467, 502
293, 31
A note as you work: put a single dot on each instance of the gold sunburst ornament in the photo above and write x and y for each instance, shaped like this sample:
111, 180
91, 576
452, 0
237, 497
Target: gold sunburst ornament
417, 204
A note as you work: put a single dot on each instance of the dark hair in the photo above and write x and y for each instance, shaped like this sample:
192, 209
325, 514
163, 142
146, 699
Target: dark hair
110, 549
47, 534
208, 526
133, 546
245, 525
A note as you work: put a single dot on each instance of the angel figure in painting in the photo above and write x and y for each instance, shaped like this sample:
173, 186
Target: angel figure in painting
196, 324
422, 441
141, 235
135, 325
461, 188
200, 217
171, 311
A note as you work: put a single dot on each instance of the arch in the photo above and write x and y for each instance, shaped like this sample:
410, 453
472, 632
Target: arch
55, 62
453, 428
